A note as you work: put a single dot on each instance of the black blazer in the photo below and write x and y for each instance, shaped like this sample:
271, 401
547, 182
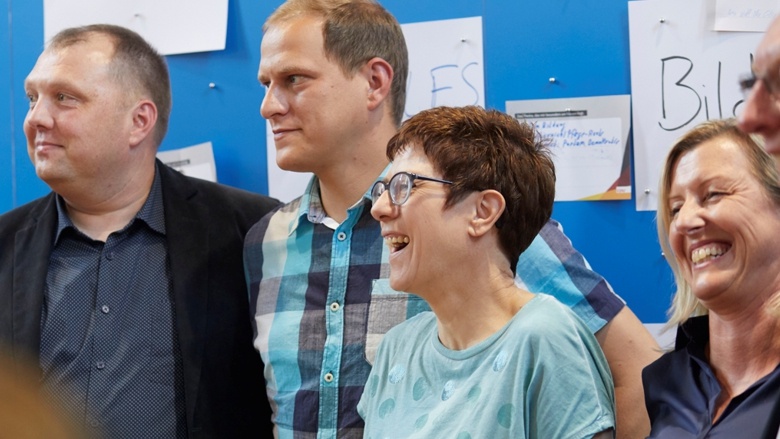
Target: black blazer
224, 388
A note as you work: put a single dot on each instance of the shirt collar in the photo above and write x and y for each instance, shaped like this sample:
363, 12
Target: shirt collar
152, 212
311, 207
694, 335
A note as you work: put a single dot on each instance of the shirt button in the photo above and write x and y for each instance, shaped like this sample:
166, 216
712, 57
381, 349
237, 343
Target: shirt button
110, 256
100, 365
94, 423
105, 309
342, 236
328, 377
335, 306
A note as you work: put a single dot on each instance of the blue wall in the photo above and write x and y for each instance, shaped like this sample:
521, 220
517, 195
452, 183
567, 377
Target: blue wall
6, 172
583, 43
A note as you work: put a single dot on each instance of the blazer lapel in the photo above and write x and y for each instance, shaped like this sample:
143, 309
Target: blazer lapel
187, 233
32, 246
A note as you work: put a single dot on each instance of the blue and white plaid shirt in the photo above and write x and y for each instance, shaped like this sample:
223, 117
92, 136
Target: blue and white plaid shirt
321, 302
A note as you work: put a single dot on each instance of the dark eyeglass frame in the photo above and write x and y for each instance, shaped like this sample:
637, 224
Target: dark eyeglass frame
380, 187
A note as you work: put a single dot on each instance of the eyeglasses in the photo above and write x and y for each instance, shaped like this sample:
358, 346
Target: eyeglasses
772, 85
400, 187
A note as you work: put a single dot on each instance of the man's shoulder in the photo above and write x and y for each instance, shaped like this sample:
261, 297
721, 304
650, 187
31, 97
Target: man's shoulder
278, 221
18, 217
214, 196
225, 192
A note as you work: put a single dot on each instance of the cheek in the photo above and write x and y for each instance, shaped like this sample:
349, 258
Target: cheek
677, 243
29, 130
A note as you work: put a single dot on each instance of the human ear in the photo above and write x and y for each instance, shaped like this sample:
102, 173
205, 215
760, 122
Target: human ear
144, 120
379, 75
488, 207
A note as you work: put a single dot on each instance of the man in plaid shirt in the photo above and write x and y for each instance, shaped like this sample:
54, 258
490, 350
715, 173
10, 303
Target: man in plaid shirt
335, 75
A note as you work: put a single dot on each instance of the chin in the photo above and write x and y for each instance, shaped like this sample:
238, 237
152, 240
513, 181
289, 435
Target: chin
399, 284
291, 165
396, 284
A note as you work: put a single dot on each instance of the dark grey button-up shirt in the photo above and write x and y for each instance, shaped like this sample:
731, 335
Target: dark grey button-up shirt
109, 349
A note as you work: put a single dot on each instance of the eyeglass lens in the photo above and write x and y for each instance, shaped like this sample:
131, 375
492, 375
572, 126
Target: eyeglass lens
400, 188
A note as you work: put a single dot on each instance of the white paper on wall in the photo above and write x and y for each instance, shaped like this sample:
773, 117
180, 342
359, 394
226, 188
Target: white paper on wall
682, 73
171, 26
744, 15
588, 138
194, 161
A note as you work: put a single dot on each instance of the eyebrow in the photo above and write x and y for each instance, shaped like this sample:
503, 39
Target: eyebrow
289, 70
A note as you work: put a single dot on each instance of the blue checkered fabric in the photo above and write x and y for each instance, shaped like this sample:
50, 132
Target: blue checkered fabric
321, 303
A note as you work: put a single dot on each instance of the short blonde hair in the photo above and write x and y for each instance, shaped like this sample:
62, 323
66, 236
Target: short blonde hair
762, 168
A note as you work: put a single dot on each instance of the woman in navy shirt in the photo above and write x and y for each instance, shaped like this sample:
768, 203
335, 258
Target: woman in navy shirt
718, 221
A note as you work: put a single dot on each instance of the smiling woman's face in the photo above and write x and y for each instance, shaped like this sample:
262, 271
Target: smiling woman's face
724, 227
423, 237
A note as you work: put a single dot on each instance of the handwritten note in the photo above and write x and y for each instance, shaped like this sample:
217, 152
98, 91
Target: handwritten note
682, 73
588, 139
587, 154
446, 67
744, 15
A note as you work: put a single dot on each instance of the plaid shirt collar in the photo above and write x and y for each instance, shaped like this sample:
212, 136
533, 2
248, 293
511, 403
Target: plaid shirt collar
311, 203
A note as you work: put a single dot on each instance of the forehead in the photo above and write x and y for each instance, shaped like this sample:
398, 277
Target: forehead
767, 56
721, 157
92, 56
292, 43
412, 159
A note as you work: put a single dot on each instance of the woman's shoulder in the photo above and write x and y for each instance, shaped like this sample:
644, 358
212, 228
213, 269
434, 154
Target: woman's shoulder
546, 312
406, 337
414, 326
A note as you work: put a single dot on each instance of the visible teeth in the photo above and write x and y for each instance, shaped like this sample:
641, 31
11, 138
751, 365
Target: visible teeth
397, 240
702, 254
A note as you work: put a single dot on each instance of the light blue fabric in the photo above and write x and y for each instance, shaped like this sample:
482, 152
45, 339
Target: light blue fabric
541, 376
321, 303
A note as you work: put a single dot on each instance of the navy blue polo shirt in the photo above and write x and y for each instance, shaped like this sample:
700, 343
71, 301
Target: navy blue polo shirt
109, 350
681, 393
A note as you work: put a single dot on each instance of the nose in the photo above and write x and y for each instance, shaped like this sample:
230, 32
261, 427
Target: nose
689, 218
273, 103
759, 113
383, 209
38, 116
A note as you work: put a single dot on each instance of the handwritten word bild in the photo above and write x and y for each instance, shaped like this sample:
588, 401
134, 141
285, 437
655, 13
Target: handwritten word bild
681, 98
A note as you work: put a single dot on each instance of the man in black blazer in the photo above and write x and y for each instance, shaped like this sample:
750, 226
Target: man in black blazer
125, 285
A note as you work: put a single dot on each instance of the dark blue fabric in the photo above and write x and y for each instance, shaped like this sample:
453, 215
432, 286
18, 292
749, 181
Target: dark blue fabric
109, 350
681, 393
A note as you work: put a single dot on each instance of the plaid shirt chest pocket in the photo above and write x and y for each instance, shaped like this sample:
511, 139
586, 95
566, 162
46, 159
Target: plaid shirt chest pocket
388, 308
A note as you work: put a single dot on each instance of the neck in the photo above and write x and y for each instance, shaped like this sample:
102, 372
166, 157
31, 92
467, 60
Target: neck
738, 336
343, 185
98, 213
472, 307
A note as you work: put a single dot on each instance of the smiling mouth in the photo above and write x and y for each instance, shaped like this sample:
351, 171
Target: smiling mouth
707, 253
397, 242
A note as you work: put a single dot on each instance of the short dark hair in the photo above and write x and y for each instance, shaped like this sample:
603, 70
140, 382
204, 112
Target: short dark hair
135, 63
480, 149
355, 31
